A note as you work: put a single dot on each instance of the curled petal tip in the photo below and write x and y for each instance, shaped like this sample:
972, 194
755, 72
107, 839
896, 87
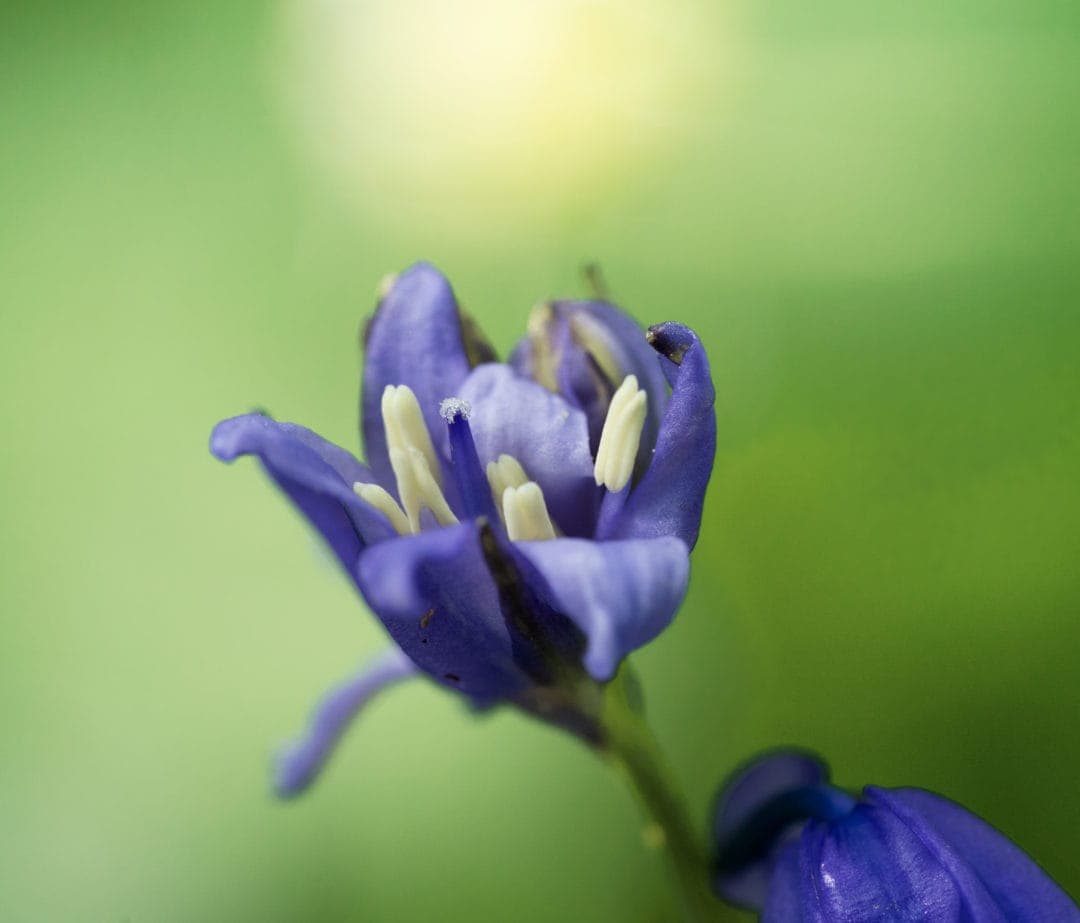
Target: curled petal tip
222, 445
671, 340
290, 777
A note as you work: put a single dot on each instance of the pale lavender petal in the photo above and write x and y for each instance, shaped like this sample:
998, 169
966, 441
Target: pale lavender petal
620, 594
299, 763
514, 416
314, 474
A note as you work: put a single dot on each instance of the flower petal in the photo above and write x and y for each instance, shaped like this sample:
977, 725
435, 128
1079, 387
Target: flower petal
415, 338
315, 474
1023, 892
514, 416
869, 865
745, 794
785, 900
669, 498
594, 345
434, 594
298, 764
620, 594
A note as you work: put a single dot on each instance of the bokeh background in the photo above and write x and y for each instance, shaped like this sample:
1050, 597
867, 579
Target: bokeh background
868, 210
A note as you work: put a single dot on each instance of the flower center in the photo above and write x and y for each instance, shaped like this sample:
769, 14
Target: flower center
519, 501
417, 473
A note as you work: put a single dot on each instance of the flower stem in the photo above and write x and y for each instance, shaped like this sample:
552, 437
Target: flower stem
630, 746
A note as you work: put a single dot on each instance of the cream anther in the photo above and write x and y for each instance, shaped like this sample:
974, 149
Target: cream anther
526, 514
504, 472
375, 496
430, 495
544, 359
414, 462
589, 336
621, 436
405, 427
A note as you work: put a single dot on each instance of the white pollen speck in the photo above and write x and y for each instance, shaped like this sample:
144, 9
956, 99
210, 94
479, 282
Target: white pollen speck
452, 407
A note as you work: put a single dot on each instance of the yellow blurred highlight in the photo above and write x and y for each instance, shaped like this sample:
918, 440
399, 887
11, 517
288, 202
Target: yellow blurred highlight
467, 112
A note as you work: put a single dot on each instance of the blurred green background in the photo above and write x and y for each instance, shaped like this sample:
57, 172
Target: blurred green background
869, 211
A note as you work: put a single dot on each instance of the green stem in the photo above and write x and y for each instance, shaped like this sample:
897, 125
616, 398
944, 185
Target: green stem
632, 749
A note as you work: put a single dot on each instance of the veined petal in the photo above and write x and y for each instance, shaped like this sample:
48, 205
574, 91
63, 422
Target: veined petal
620, 594
896, 854
436, 597
298, 764
315, 474
870, 861
416, 338
514, 416
669, 497
1021, 890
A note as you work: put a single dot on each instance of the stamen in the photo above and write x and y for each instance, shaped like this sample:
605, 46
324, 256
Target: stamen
504, 472
544, 359
526, 514
589, 337
621, 436
428, 491
405, 427
414, 462
376, 496
417, 488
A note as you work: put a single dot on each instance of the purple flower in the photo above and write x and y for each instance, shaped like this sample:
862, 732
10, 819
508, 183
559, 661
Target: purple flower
518, 529
798, 849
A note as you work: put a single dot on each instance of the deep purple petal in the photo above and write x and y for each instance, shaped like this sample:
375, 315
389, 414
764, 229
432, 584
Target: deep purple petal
1023, 892
896, 855
872, 866
514, 416
298, 764
314, 474
620, 594
745, 794
786, 899
414, 339
669, 498
434, 594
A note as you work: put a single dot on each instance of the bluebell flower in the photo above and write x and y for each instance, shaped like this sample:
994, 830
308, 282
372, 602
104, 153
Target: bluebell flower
796, 848
518, 528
